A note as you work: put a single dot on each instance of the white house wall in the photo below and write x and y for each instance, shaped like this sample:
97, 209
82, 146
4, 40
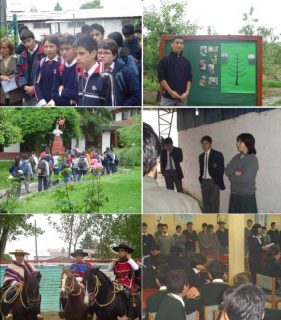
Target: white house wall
105, 140
266, 128
12, 148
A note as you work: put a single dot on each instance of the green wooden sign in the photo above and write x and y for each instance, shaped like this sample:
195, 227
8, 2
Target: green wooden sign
226, 70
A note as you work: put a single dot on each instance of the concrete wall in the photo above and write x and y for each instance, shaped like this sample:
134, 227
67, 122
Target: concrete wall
12, 148
266, 127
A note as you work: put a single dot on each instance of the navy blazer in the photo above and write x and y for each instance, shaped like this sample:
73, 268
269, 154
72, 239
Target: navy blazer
215, 166
177, 158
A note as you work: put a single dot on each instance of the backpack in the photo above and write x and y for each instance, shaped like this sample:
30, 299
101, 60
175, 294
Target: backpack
110, 157
14, 170
32, 162
24, 168
41, 169
82, 165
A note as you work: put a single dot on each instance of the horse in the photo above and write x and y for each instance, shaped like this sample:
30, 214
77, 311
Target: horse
106, 299
25, 304
72, 298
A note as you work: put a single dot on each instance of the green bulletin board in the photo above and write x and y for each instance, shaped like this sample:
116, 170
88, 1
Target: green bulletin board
226, 70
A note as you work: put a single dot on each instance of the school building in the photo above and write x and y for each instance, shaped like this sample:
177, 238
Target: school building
70, 21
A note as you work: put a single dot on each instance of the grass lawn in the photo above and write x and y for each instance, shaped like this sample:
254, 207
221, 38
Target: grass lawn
122, 189
4, 173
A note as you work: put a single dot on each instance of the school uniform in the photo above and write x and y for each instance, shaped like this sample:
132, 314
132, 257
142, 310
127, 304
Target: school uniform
154, 300
255, 256
197, 278
171, 307
45, 74
66, 77
94, 88
26, 70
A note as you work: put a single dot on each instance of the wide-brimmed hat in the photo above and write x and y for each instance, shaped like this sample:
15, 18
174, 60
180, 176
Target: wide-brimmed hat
123, 246
19, 251
79, 252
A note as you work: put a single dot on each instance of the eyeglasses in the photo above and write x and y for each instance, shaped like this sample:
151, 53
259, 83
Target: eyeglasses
104, 53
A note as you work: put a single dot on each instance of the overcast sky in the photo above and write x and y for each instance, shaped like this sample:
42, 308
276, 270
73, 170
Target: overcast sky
226, 15
49, 240
72, 5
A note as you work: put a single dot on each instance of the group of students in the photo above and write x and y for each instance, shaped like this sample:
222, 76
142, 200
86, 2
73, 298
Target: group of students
81, 70
48, 167
184, 287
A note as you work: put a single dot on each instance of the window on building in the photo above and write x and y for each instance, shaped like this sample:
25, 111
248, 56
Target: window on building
128, 21
41, 25
76, 24
126, 115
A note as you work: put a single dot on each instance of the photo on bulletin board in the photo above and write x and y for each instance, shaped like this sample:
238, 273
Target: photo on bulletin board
183, 218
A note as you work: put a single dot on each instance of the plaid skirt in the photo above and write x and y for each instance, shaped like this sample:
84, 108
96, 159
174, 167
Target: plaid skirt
239, 203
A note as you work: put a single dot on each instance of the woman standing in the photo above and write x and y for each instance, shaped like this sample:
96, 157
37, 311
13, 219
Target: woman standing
242, 171
8, 63
256, 248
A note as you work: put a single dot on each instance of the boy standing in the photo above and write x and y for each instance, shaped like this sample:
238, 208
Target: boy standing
26, 66
126, 82
64, 91
94, 88
132, 41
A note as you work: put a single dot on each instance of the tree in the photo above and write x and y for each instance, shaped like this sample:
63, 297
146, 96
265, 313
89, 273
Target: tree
130, 142
9, 133
87, 242
95, 4
58, 7
13, 226
37, 124
169, 20
249, 28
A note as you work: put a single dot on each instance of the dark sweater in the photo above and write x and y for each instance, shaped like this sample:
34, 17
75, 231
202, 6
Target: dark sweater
45, 74
170, 308
67, 78
176, 70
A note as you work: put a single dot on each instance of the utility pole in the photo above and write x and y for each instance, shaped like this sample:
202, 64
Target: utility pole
35, 233
3, 13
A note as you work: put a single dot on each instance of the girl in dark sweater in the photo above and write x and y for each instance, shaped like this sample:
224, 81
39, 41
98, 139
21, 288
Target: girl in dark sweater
46, 71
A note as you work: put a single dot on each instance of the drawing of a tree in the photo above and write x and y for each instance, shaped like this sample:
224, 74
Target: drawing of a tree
237, 67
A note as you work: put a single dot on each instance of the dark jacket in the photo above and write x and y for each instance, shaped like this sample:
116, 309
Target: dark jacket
215, 167
97, 91
177, 158
170, 308
147, 243
176, 70
126, 85
191, 239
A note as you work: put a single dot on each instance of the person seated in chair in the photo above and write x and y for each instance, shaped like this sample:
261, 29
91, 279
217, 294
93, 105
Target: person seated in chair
13, 281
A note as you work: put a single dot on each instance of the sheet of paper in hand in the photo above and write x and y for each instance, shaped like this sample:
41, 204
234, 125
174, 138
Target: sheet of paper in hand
9, 85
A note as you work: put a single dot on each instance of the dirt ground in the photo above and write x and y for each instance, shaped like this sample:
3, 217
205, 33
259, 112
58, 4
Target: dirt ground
50, 315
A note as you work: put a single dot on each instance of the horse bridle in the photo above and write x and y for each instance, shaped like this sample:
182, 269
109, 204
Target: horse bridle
71, 288
117, 288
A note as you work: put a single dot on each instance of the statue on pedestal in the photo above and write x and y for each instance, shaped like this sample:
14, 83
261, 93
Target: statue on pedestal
57, 146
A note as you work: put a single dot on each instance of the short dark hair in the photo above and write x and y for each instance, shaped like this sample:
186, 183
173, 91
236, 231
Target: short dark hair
178, 226
25, 156
176, 280
144, 224
159, 224
161, 274
250, 220
168, 140
207, 138
165, 225
210, 226
217, 269
26, 34
85, 29
138, 28
128, 29
242, 278
109, 44
98, 27
264, 228
196, 259
69, 39
245, 302
151, 148
155, 247
272, 223
189, 223
22, 27
117, 37
53, 39
204, 225
249, 141
176, 37
87, 43
255, 229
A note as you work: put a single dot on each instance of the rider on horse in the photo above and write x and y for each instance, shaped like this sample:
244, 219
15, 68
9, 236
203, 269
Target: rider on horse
124, 269
14, 277
79, 266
